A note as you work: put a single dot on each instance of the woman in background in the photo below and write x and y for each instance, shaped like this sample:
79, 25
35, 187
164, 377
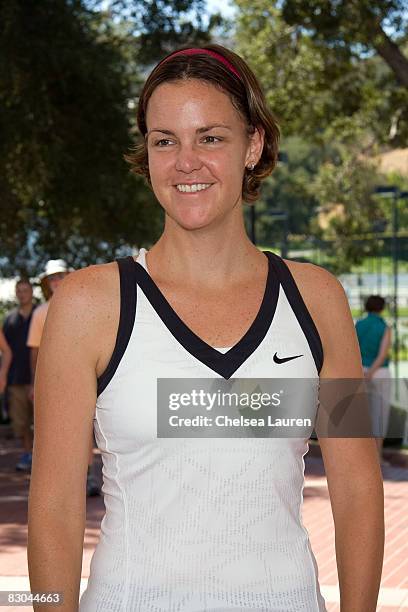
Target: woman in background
374, 337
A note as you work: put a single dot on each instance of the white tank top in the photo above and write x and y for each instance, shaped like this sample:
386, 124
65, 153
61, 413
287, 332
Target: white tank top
200, 525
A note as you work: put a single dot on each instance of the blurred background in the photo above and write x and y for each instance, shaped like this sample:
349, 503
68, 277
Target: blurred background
335, 73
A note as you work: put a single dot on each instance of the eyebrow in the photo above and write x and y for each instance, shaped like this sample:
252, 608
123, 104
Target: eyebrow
200, 130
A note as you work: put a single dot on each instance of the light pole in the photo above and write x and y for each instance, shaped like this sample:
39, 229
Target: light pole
284, 214
379, 226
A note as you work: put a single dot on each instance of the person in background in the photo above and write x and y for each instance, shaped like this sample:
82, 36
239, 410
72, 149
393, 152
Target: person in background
374, 337
55, 272
6, 357
15, 328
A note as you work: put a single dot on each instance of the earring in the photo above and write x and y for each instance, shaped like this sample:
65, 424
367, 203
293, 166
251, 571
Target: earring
251, 166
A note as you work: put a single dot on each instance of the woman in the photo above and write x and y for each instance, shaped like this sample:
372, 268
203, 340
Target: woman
196, 525
374, 337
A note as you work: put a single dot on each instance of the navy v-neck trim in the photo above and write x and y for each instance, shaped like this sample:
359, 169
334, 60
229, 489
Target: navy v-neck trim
225, 364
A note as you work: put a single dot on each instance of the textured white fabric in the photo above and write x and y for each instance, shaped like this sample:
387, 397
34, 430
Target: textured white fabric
198, 525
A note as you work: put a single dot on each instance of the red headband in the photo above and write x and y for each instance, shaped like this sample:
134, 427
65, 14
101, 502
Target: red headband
218, 56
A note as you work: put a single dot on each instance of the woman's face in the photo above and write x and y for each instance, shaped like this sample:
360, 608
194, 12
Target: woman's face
195, 136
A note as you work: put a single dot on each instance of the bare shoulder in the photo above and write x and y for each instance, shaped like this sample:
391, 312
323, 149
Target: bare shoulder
89, 295
327, 303
321, 290
83, 283
87, 304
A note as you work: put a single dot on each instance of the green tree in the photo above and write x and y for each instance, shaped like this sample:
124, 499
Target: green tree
338, 98
156, 27
355, 25
70, 74
310, 81
64, 189
289, 191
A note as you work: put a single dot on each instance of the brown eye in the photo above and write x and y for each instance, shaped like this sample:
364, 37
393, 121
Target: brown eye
217, 138
158, 142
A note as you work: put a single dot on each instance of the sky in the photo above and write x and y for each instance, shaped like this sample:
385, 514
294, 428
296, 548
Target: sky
223, 7
213, 6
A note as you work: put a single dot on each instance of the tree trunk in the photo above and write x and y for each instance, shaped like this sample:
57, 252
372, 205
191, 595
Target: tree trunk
392, 55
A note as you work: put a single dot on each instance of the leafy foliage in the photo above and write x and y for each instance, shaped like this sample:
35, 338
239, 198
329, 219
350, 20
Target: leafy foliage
288, 191
310, 81
65, 189
68, 79
338, 100
159, 26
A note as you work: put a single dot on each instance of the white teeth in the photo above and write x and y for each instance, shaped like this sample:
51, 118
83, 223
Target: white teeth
192, 188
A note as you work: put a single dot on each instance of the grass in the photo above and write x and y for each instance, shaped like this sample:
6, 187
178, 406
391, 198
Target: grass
369, 265
387, 313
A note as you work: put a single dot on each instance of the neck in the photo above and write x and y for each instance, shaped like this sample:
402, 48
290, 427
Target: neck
25, 309
206, 256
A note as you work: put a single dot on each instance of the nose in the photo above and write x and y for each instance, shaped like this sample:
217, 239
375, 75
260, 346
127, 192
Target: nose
188, 159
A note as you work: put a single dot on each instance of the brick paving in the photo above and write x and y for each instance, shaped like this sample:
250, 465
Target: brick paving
318, 519
316, 516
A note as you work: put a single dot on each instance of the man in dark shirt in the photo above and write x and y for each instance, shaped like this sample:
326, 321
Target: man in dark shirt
15, 328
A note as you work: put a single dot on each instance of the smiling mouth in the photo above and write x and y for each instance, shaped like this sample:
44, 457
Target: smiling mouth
191, 189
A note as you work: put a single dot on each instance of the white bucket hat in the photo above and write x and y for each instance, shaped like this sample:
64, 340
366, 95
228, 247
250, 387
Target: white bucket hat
54, 266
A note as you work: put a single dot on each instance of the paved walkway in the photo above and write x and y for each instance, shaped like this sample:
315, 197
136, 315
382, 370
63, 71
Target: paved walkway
316, 513
319, 522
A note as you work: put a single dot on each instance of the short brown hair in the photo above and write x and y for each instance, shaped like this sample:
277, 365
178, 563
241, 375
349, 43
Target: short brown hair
245, 94
23, 281
375, 303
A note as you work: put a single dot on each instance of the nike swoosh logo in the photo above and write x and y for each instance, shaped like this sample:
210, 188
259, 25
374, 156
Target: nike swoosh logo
284, 359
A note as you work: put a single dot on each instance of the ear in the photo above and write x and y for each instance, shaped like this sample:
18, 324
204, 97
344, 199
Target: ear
256, 143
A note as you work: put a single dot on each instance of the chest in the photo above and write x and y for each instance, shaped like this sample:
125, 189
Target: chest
157, 351
17, 331
220, 318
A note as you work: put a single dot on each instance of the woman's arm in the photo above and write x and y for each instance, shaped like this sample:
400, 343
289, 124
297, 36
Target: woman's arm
351, 464
6, 357
382, 353
64, 405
